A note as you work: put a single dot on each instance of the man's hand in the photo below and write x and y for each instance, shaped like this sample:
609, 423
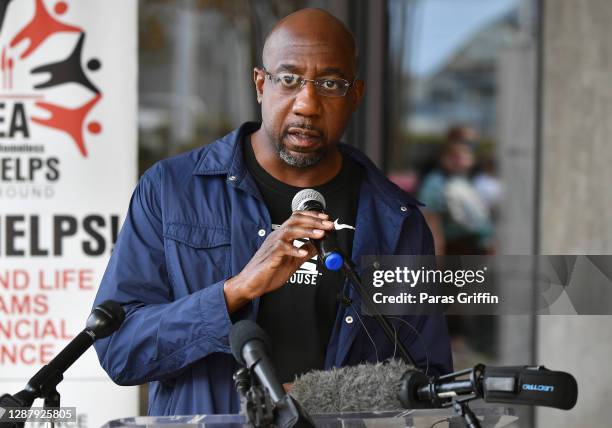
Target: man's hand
277, 258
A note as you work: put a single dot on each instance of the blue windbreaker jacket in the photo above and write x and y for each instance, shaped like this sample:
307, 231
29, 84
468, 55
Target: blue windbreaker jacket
194, 221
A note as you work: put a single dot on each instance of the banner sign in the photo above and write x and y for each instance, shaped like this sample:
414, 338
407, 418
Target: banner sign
68, 158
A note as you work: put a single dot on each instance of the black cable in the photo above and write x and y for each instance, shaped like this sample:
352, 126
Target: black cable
439, 422
419, 337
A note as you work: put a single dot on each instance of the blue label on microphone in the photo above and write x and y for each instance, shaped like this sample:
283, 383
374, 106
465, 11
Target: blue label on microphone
535, 387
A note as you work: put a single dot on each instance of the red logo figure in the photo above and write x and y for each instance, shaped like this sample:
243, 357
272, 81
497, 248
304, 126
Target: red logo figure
70, 120
40, 28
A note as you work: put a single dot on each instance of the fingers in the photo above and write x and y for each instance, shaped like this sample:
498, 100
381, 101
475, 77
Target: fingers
291, 233
315, 214
282, 248
310, 248
303, 224
310, 219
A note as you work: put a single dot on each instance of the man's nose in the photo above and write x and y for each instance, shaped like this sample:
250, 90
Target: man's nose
307, 102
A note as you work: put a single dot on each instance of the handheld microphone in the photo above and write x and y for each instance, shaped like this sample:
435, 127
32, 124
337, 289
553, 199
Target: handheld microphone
529, 385
250, 346
327, 247
105, 319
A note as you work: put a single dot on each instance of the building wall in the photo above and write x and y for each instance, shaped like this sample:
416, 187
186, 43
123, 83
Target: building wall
576, 200
516, 106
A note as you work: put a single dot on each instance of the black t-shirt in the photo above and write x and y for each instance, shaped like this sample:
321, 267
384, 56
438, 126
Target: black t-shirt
299, 316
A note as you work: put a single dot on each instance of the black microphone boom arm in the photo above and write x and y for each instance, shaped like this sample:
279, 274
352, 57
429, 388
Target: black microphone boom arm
105, 319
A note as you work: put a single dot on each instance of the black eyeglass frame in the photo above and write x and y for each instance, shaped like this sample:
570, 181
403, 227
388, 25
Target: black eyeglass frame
347, 83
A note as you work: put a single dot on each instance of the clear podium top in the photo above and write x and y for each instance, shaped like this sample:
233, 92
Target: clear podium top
497, 417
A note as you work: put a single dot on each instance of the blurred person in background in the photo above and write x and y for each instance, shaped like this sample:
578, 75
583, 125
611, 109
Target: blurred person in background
452, 199
487, 184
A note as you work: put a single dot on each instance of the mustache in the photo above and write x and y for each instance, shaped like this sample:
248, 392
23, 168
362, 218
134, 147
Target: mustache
302, 126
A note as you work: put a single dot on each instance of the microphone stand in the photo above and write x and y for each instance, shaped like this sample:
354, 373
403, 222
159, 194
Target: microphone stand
261, 412
462, 409
383, 322
105, 319
258, 407
456, 394
40, 386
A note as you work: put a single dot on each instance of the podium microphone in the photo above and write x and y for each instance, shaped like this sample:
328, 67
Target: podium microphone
529, 385
366, 387
104, 320
251, 347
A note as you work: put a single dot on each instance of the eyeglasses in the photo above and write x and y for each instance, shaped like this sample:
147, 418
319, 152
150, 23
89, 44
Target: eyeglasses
290, 84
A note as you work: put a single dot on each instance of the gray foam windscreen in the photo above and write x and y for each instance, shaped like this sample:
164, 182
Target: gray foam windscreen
365, 387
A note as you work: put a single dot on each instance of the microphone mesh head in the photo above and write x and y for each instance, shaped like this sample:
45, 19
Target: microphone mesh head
304, 196
105, 319
243, 332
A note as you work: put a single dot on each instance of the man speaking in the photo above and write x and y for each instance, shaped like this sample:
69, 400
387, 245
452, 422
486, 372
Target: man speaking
210, 239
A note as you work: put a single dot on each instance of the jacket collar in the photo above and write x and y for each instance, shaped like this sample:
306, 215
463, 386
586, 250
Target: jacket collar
224, 157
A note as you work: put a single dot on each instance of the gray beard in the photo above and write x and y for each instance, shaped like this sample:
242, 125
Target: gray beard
298, 161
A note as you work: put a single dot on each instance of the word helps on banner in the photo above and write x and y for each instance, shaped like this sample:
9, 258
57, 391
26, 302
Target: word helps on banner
26, 170
21, 235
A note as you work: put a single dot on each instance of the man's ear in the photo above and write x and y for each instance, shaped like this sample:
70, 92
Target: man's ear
258, 78
357, 93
